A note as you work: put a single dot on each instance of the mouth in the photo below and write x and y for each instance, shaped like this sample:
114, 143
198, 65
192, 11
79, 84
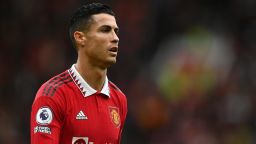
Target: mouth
113, 49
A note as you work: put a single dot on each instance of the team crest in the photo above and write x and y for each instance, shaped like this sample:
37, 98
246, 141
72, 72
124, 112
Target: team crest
114, 116
81, 140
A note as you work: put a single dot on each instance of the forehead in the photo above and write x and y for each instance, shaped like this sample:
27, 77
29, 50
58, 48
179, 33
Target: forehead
103, 19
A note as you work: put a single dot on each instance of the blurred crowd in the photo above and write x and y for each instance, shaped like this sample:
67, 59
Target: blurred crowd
187, 67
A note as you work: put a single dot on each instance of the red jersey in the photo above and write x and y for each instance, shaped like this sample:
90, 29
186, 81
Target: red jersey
66, 110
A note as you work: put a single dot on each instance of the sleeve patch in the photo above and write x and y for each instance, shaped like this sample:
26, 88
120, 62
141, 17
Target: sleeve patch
42, 129
44, 116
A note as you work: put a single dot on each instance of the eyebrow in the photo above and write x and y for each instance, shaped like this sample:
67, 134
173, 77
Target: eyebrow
117, 28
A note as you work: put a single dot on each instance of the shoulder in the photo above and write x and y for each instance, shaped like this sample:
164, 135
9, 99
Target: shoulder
113, 87
52, 92
57, 82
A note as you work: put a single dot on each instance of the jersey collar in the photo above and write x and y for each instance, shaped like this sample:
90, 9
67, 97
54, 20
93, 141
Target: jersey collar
84, 87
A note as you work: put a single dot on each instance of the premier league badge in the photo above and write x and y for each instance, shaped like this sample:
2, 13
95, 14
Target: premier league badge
44, 115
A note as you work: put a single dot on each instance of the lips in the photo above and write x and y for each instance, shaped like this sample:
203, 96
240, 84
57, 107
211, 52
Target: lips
113, 49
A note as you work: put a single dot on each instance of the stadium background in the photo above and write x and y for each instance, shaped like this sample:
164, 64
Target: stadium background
187, 67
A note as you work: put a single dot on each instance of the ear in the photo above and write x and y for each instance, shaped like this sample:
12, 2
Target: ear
79, 37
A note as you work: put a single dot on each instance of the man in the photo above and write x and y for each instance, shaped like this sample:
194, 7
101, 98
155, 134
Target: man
80, 105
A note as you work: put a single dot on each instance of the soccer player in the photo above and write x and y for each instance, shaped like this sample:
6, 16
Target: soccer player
80, 105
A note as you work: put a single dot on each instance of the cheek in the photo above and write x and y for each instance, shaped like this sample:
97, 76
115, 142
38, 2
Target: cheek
101, 44
98, 44
98, 48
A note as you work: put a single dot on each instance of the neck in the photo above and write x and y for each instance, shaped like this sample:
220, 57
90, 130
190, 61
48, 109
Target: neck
93, 75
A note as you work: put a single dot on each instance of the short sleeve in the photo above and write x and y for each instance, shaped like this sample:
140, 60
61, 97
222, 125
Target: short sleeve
46, 119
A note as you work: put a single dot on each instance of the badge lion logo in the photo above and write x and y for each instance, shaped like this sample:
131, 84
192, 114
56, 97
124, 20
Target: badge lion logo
44, 115
114, 116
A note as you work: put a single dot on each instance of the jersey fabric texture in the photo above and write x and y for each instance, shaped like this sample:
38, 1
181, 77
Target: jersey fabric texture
66, 110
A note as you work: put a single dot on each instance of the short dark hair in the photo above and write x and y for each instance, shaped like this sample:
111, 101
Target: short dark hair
80, 20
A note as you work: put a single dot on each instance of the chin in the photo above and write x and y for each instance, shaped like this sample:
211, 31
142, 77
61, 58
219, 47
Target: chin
110, 62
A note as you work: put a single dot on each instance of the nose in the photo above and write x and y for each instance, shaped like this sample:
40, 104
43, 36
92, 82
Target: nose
115, 38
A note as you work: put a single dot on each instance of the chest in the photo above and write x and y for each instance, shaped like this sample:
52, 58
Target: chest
96, 118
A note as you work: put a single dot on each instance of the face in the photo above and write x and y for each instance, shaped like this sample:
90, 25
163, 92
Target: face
101, 41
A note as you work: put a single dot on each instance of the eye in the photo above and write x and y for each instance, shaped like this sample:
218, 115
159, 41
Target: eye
116, 30
105, 29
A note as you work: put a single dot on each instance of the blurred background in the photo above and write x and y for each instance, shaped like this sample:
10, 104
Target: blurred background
187, 67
